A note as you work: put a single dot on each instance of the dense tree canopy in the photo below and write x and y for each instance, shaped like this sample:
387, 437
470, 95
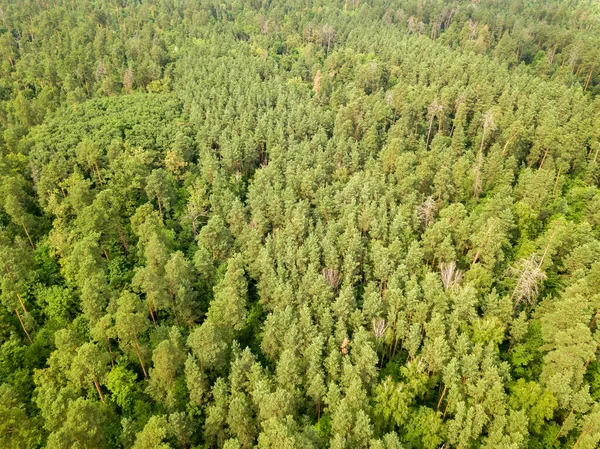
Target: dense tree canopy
299, 224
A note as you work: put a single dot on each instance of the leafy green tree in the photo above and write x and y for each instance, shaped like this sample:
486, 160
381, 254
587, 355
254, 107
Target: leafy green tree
178, 274
153, 435
131, 322
90, 365
16, 262
168, 360
15, 204
83, 425
89, 154
160, 186
17, 429
84, 269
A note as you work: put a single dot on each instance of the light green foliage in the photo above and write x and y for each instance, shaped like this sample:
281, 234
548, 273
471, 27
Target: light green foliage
89, 366
538, 404
121, 382
153, 434
167, 363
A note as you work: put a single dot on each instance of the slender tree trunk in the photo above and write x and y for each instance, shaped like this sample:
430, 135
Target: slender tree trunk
547, 248
594, 319
588, 79
395, 347
556, 182
98, 172
482, 142
21, 302
173, 306
446, 410
151, 311
97, 385
442, 397
553, 54
429, 131
543, 159
393, 339
28, 236
505, 145
139, 354
23, 326
586, 430
112, 358
561, 427
159, 205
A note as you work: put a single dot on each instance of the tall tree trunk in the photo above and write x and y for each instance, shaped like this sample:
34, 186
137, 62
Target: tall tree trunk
543, 159
556, 182
553, 54
442, 397
588, 79
561, 427
112, 358
173, 305
28, 236
159, 206
584, 431
97, 385
151, 311
139, 354
98, 172
429, 131
23, 326
21, 302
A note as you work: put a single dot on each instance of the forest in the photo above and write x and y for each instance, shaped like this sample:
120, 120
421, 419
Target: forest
299, 224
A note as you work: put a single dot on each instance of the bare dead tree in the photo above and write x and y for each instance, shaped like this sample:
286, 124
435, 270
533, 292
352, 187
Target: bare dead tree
473, 29
433, 110
389, 98
451, 276
412, 24
344, 346
379, 327
426, 211
328, 34
388, 17
317, 83
530, 276
489, 125
128, 80
101, 71
332, 276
